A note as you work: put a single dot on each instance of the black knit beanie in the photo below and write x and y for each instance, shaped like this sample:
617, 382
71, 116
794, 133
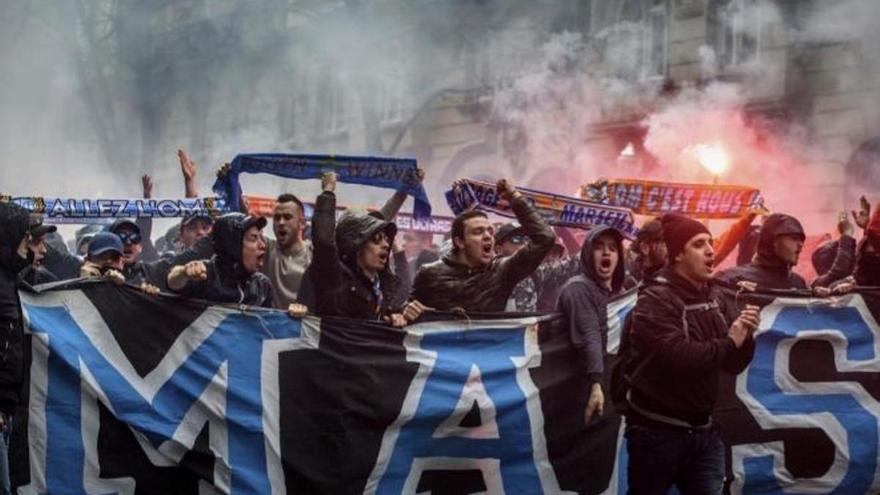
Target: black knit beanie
678, 230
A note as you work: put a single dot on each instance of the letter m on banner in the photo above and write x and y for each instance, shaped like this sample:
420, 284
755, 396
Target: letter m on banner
209, 367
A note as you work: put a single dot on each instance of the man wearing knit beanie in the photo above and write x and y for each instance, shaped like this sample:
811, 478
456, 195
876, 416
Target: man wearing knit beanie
780, 243
680, 342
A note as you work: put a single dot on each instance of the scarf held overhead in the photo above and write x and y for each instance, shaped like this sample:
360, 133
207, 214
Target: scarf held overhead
262, 206
392, 173
557, 210
645, 197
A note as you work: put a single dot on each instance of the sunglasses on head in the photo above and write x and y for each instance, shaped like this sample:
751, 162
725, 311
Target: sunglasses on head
130, 237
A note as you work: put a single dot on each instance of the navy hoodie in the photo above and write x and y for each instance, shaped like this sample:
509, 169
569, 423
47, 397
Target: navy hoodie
583, 300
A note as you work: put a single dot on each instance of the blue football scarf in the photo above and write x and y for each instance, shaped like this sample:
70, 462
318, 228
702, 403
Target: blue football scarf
391, 173
556, 209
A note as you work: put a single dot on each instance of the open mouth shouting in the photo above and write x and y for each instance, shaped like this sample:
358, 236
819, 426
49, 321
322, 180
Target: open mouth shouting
605, 267
710, 265
487, 251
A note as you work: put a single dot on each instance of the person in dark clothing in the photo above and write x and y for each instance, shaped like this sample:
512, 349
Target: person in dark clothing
867, 271
105, 258
155, 273
232, 274
779, 247
583, 301
835, 260
650, 250
84, 235
683, 342
748, 246
132, 241
14, 257
349, 273
473, 277
36, 273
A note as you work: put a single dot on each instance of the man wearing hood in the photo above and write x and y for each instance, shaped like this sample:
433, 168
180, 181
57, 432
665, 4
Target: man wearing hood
583, 301
780, 243
232, 275
473, 277
681, 342
349, 272
14, 257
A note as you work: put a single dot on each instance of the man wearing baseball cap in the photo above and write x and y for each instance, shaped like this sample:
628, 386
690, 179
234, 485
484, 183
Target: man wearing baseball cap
680, 342
193, 228
509, 238
37, 273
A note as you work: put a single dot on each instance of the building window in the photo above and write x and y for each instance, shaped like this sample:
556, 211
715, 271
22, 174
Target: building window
737, 31
330, 104
637, 43
656, 28
391, 98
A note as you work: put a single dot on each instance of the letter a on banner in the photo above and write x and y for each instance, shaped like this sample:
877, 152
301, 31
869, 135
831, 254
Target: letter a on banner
460, 412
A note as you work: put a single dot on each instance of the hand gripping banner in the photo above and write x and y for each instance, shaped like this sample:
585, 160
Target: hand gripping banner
556, 209
645, 197
393, 173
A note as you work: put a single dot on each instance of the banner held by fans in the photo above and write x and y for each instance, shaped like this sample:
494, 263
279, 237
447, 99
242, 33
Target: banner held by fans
70, 208
556, 209
131, 393
645, 197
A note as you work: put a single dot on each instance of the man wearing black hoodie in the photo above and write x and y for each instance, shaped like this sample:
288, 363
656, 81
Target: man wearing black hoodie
349, 275
232, 275
682, 342
780, 243
14, 257
584, 299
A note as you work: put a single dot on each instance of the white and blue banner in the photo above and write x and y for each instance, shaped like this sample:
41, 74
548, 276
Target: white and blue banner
130, 393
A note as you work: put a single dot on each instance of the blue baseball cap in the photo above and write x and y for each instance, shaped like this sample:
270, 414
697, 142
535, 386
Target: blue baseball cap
104, 242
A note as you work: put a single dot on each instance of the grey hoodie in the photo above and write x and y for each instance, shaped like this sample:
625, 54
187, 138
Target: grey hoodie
583, 301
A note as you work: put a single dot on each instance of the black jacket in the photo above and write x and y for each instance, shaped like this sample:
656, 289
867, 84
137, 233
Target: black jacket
13, 227
768, 270
447, 284
680, 336
228, 281
834, 261
156, 272
14, 222
338, 287
583, 301
37, 275
867, 266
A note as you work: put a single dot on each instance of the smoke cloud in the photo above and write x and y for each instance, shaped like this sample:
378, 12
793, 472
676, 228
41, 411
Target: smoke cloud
94, 94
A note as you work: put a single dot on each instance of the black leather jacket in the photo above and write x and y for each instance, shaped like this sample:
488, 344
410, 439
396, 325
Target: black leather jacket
446, 284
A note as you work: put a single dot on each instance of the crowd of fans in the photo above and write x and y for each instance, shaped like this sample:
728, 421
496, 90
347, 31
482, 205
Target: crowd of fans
356, 267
